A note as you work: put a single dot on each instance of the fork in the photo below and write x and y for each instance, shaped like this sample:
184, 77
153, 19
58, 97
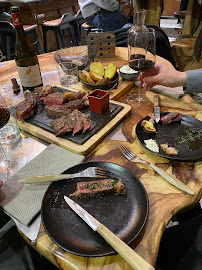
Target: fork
89, 172
170, 178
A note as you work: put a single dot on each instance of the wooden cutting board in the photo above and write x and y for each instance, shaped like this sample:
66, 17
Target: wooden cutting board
89, 145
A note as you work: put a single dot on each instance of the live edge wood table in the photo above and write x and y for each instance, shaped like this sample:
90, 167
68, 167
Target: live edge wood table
164, 199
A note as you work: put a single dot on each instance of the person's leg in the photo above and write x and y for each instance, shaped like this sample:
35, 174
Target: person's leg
181, 246
108, 21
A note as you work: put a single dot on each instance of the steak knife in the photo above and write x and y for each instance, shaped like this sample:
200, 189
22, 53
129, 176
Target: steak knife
122, 248
156, 108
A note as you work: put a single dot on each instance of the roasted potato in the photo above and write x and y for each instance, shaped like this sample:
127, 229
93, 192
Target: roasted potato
89, 80
94, 76
82, 76
98, 68
86, 72
101, 81
110, 71
148, 126
107, 80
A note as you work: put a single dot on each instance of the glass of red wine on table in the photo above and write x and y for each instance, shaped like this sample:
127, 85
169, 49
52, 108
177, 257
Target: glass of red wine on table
141, 57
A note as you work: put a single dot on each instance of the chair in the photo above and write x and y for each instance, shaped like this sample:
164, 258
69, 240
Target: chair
7, 38
7, 35
58, 26
31, 30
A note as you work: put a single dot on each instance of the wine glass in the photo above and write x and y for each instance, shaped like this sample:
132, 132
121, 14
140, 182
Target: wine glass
141, 57
4, 118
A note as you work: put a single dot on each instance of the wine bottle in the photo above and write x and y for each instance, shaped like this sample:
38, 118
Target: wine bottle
25, 56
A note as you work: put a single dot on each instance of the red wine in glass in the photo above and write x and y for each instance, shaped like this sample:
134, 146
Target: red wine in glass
4, 116
139, 63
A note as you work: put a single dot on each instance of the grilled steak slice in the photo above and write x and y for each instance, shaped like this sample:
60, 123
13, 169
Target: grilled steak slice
168, 118
169, 150
86, 123
63, 124
177, 118
54, 98
78, 95
78, 124
77, 104
30, 97
57, 110
44, 91
99, 188
27, 108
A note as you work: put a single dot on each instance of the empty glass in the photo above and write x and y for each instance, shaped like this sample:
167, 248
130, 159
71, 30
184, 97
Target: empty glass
68, 75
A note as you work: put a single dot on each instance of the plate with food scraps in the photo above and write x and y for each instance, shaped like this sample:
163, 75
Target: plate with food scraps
71, 233
184, 136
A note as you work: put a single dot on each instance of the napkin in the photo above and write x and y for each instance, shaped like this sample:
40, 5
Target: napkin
174, 92
23, 202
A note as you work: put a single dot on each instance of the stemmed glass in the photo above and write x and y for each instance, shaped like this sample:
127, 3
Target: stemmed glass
4, 118
141, 57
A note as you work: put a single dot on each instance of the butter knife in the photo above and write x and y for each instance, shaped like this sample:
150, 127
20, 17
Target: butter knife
122, 248
156, 108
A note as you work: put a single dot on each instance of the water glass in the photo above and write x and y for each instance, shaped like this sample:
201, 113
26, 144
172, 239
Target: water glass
10, 133
68, 75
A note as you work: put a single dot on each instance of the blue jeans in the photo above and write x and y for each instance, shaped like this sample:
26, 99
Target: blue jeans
107, 21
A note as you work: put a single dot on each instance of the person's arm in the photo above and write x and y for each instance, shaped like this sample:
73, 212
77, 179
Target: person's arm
161, 74
194, 81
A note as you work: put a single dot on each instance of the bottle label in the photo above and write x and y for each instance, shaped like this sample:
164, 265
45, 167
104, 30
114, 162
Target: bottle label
16, 19
30, 76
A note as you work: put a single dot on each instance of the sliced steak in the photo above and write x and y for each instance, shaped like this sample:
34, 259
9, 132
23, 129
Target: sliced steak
57, 110
78, 125
77, 104
54, 98
27, 108
99, 188
63, 124
86, 123
78, 95
168, 118
44, 91
31, 97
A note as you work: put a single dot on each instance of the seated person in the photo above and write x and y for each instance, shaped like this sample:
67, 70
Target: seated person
4, 16
107, 15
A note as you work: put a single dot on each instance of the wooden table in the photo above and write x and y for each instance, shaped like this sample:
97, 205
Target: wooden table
164, 199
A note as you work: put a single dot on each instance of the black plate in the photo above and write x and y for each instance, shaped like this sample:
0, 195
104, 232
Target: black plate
98, 121
125, 215
106, 86
171, 134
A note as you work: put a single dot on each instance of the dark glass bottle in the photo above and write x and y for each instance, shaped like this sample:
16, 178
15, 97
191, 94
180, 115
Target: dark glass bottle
25, 56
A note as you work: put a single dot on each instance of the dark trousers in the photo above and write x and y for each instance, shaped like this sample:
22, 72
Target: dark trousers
181, 246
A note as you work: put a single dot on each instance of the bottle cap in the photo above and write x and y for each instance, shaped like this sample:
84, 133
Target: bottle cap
15, 12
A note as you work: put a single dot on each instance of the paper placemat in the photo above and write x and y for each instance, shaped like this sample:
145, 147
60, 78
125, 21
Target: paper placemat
23, 202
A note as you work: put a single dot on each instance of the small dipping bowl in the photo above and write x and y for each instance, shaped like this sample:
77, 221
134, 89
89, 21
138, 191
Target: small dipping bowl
128, 73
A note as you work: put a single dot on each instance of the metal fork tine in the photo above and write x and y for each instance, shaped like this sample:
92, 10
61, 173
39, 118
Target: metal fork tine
126, 152
102, 172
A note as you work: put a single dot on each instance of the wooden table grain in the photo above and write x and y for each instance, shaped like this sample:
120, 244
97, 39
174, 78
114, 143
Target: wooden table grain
164, 199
